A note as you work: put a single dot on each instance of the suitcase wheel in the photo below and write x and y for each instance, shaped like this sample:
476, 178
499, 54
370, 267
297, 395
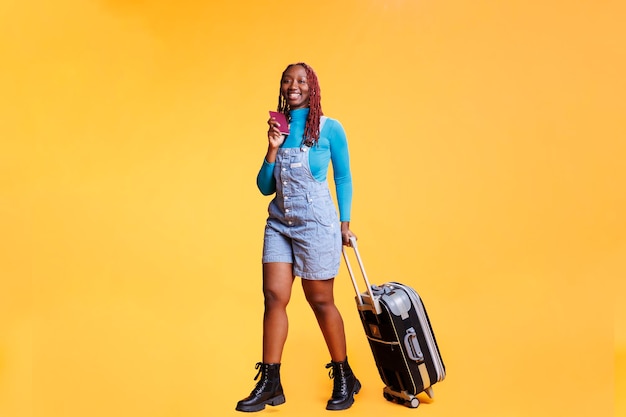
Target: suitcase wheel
414, 402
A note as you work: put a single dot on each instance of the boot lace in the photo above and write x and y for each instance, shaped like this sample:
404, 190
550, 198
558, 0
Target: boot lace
340, 386
331, 373
261, 385
258, 366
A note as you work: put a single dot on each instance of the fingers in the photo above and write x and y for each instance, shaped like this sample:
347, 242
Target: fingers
273, 126
346, 238
274, 135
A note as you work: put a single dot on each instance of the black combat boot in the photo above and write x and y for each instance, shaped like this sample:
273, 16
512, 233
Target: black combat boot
345, 386
267, 391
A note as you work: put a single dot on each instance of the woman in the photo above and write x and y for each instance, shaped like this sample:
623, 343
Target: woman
302, 235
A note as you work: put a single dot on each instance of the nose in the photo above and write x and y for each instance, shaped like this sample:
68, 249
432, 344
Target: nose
291, 85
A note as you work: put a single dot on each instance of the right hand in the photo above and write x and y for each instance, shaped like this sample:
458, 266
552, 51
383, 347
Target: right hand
274, 136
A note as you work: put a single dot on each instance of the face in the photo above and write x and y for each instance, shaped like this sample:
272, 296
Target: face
294, 87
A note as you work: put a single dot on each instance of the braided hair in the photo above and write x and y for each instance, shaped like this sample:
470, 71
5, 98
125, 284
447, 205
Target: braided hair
312, 127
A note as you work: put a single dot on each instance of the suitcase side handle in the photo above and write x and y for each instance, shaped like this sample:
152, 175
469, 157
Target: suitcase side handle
413, 350
374, 300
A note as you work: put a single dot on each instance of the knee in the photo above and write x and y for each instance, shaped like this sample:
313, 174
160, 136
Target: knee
319, 295
275, 299
319, 303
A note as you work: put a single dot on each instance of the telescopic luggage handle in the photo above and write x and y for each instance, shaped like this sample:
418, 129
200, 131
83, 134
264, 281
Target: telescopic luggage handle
374, 304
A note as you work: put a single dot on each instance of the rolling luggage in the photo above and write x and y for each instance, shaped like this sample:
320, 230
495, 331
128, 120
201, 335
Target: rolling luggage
401, 338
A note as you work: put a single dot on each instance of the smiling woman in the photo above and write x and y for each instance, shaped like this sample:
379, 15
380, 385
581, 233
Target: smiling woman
302, 235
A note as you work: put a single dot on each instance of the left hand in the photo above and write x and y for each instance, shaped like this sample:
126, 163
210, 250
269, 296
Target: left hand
346, 234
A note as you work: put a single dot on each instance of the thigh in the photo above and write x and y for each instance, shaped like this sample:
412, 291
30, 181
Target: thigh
277, 281
277, 245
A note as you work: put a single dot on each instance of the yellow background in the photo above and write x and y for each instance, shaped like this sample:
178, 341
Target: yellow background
487, 142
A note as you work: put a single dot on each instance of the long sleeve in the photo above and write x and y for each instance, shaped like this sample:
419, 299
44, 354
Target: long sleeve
333, 147
340, 158
265, 179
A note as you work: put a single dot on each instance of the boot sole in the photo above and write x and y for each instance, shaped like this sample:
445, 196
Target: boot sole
348, 402
274, 401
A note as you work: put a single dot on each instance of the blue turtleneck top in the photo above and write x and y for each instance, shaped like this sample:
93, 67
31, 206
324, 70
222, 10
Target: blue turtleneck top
332, 146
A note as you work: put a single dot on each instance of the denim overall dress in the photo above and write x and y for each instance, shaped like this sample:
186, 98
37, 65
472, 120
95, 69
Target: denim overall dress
303, 226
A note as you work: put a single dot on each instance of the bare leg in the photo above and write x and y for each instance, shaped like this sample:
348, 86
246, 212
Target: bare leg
319, 294
277, 282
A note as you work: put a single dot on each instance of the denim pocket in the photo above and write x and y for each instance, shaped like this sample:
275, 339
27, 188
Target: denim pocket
323, 211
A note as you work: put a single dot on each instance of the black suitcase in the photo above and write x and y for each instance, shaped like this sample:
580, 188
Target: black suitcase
401, 338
